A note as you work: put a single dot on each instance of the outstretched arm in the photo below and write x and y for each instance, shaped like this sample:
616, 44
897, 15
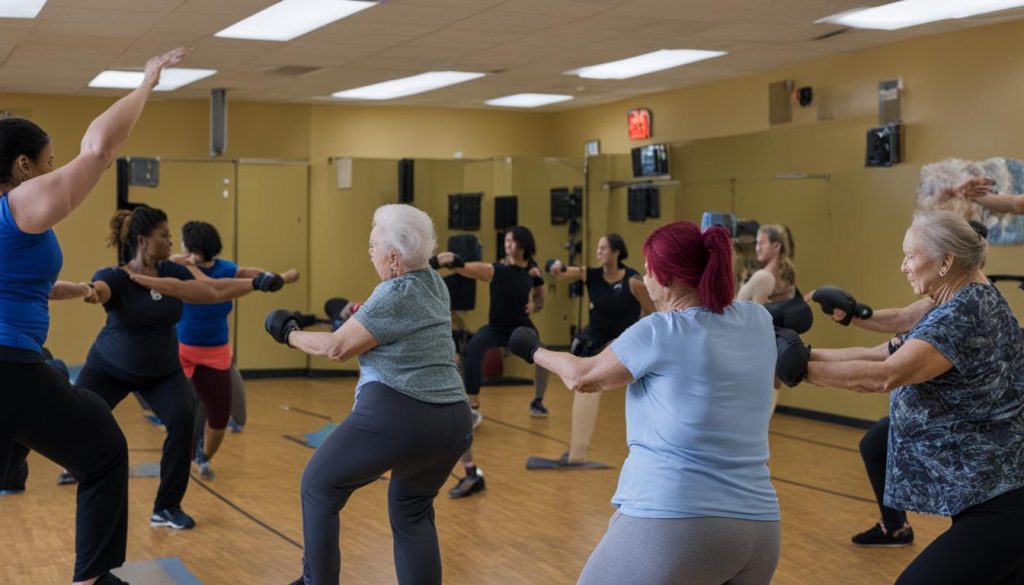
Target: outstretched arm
916, 361
349, 341
40, 203
198, 291
592, 374
63, 290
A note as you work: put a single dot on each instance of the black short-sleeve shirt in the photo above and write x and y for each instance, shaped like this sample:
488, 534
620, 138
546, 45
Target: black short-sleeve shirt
613, 308
510, 292
139, 337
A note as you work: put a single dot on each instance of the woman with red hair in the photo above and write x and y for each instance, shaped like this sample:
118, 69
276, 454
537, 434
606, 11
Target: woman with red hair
695, 500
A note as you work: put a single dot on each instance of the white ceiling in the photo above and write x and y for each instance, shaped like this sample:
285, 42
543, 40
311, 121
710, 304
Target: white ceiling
524, 45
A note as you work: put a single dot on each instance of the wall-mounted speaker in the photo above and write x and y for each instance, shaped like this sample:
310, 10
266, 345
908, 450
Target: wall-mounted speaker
406, 177
464, 211
218, 122
506, 212
884, 146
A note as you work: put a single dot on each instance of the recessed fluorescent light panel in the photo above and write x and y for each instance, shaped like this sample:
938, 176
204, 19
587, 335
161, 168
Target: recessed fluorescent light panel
20, 8
289, 19
644, 64
170, 79
897, 15
528, 100
405, 86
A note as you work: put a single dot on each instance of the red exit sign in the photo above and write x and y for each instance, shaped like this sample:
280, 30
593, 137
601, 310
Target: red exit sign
640, 120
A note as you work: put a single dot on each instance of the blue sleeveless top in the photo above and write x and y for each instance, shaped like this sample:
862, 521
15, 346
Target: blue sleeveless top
207, 325
29, 265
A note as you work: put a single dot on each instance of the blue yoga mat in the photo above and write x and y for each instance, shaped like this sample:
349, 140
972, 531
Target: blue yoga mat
164, 571
316, 438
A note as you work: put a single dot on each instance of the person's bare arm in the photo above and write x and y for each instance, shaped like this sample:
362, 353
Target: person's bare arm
1001, 203
916, 361
481, 271
350, 340
871, 354
567, 273
40, 203
894, 320
592, 374
758, 289
198, 291
537, 295
63, 290
290, 276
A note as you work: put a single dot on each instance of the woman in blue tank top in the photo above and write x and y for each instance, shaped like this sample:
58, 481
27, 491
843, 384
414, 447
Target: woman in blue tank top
617, 299
203, 340
39, 409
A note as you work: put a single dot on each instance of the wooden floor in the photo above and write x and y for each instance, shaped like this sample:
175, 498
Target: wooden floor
535, 527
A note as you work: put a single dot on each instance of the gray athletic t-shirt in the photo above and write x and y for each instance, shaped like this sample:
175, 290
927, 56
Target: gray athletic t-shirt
410, 317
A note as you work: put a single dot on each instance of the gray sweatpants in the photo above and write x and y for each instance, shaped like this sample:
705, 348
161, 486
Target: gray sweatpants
683, 551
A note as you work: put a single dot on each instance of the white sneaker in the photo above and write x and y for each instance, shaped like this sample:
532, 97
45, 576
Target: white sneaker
477, 417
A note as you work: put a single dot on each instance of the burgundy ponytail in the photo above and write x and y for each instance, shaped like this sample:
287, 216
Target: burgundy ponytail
679, 251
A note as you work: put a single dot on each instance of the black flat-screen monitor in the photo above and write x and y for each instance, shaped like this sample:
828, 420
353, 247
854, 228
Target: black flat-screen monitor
650, 161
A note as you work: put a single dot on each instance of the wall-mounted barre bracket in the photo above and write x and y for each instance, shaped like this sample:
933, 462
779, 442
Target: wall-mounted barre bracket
612, 185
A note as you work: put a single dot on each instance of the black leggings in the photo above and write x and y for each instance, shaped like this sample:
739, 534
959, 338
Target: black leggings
874, 450
39, 410
173, 400
386, 430
213, 387
985, 546
483, 340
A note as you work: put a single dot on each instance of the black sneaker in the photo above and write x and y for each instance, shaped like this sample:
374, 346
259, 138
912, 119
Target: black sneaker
65, 478
877, 536
537, 409
468, 486
175, 518
110, 579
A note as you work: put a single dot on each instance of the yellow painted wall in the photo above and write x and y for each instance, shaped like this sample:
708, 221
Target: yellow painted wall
959, 100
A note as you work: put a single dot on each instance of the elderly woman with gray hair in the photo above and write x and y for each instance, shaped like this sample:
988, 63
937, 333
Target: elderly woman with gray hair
411, 415
956, 441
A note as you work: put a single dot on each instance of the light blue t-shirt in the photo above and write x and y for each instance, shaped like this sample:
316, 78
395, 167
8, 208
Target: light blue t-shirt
410, 317
697, 414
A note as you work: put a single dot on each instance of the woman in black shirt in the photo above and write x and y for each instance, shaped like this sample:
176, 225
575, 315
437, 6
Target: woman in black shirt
137, 349
617, 299
517, 291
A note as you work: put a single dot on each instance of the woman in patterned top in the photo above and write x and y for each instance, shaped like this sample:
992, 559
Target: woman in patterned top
956, 442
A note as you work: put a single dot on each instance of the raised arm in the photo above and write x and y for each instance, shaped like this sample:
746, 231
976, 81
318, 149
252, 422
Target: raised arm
916, 361
878, 353
40, 203
1001, 203
591, 374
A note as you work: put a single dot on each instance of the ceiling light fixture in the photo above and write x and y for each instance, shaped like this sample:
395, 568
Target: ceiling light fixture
406, 86
907, 13
289, 19
644, 64
528, 100
20, 8
170, 79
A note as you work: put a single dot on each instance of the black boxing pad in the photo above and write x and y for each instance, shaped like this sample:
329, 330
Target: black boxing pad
792, 358
793, 314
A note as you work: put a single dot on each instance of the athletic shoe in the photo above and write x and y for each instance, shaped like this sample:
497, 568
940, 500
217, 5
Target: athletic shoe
537, 409
235, 427
468, 485
12, 492
477, 417
877, 536
173, 517
154, 419
65, 478
110, 579
205, 471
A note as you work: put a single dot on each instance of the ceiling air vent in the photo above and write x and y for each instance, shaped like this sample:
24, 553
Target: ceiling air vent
289, 70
